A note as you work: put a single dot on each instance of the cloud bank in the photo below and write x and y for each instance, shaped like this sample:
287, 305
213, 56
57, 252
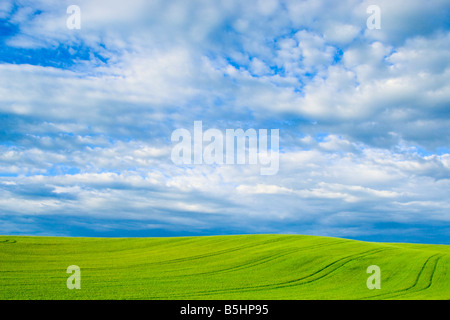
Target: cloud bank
87, 114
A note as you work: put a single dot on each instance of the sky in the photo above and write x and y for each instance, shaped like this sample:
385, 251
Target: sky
87, 113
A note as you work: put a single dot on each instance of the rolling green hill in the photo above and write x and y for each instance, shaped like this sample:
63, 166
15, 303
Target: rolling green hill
221, 267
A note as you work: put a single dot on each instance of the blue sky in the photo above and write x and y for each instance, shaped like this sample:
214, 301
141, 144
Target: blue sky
87, 114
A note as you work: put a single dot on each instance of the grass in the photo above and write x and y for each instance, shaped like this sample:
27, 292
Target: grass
221, 267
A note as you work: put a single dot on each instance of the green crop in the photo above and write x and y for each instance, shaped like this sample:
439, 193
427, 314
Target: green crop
221, 267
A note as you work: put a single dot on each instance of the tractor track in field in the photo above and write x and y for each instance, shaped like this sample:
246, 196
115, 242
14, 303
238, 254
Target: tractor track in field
8, 241
410, 289
217, 253
245, 265
300, 281
225, 251
198, 257
360, 255
264, 260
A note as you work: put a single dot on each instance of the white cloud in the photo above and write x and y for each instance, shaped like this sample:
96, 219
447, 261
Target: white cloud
91, 138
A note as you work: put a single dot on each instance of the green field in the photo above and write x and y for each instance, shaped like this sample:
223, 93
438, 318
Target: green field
221, 267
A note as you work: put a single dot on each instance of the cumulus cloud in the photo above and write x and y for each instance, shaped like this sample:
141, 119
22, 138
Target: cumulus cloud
86, 116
